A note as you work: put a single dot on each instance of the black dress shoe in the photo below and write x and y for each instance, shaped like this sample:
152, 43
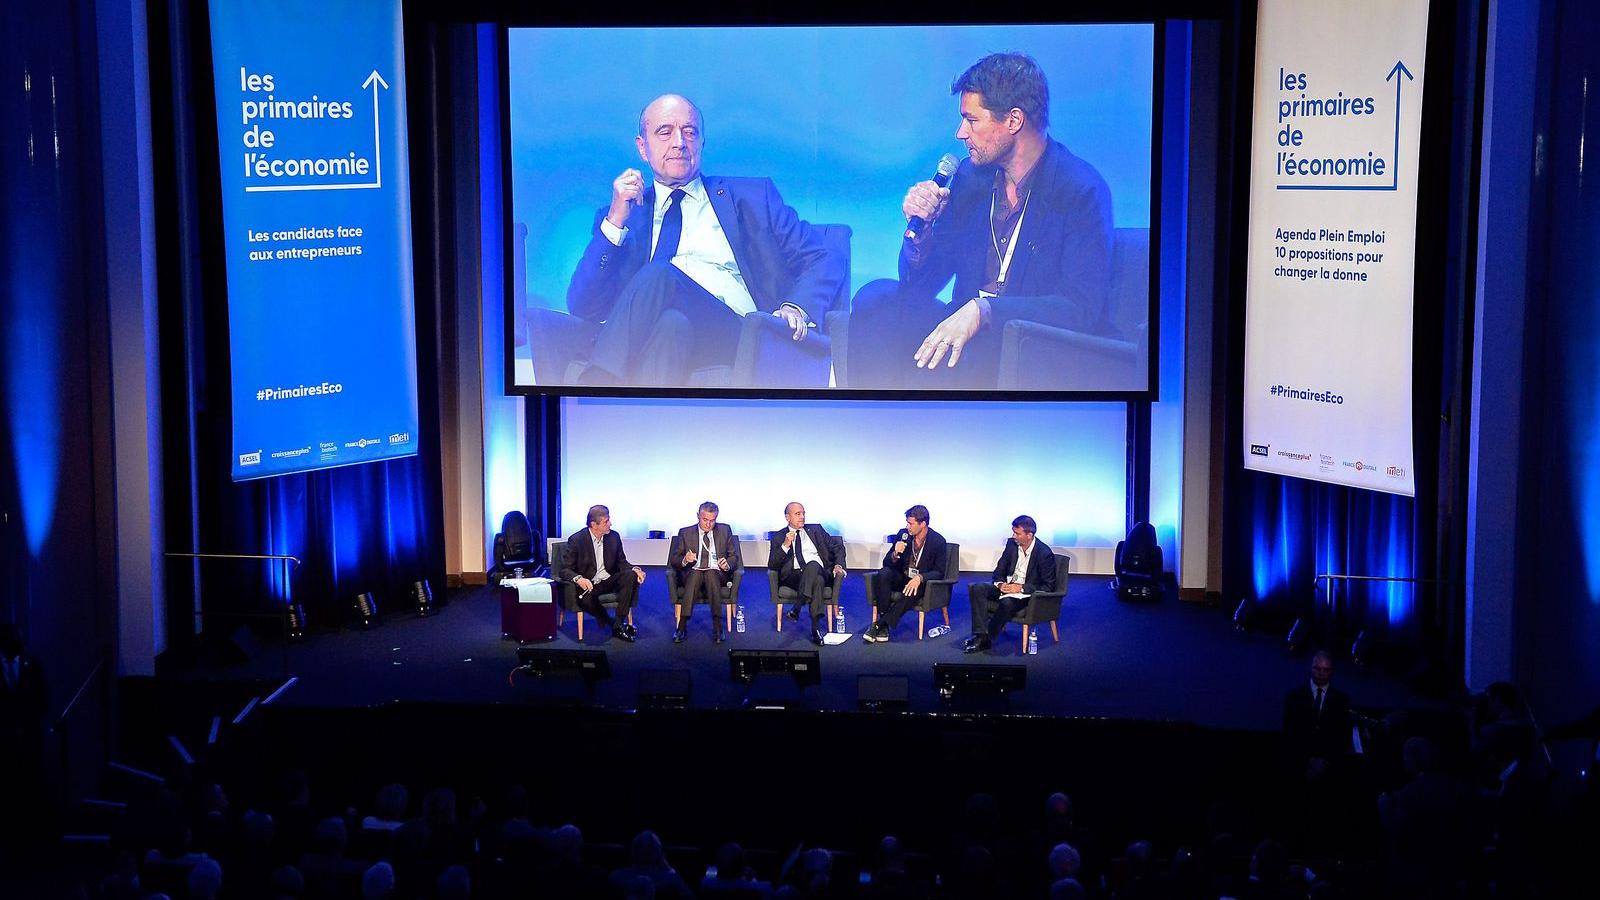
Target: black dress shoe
793, 613
680, 634
976, 644
625, 632
816, 636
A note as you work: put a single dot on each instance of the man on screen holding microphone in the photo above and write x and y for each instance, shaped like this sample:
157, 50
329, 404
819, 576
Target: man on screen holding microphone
1024, 228
917, 557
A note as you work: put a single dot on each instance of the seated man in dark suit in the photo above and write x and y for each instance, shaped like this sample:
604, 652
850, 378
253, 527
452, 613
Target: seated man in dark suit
595, 561
802, 555
1024, 227
1026, 566
705, 556
917, 557
674, 265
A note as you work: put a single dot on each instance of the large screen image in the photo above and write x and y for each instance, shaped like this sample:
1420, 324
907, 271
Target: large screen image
799, 211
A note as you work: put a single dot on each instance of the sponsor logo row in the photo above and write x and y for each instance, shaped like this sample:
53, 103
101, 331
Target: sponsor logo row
325, 449
1326, 463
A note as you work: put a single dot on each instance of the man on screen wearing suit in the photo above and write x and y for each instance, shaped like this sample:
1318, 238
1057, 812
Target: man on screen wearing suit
1024, 227
1026, 566
705, 557
802, 555
675, 264
594, 560
916, 558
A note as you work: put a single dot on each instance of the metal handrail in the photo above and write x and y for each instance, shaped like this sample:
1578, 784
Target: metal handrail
282, 615
67, 710
1385, 578
282, 556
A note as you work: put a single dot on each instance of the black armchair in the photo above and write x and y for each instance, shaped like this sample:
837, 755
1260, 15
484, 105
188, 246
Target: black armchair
729, 591
1032, 354
767, 355
1138, 564
569, 592
830, 592
517, 545
935, 593
1045, 606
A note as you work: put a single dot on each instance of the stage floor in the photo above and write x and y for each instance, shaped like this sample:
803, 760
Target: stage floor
1162, 661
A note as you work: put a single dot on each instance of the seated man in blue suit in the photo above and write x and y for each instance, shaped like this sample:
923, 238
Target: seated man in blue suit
676, 263
1024, 228
1026, 566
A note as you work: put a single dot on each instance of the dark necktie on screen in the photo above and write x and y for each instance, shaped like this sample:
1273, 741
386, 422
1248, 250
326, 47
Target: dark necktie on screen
1319, 699
705, 550
671, 229
799, 554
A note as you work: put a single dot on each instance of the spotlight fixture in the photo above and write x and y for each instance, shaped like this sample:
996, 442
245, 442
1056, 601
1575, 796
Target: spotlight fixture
422, 598
366, 607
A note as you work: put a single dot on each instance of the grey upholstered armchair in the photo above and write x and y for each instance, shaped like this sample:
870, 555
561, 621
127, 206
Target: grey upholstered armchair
569, 591
935, 593
1045, 606
728, 594
830, 592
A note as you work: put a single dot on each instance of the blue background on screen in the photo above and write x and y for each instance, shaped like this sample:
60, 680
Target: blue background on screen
344, 320
842, 119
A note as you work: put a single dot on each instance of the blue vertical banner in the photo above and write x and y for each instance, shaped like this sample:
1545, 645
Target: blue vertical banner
316, 201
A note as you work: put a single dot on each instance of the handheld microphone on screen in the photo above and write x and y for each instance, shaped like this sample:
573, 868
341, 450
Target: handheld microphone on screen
941, 176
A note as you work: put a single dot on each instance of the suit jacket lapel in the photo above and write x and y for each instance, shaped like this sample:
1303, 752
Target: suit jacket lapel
722, 204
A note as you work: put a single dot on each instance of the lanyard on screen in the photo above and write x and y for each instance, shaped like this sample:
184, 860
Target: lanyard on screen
1005, 259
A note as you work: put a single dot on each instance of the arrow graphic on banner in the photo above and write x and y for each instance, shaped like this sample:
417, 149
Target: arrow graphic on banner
373, 81
1399, 67
1394, 161
378, 149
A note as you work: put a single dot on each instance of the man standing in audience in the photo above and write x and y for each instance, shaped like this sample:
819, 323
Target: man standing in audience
1026, 567
1316, 724
706, 556
917, 557
595, 561
802, 555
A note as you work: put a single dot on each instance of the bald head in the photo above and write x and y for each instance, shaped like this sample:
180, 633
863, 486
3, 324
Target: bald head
670, 139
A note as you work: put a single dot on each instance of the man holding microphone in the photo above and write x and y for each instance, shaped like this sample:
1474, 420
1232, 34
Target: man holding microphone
802, 555
917, 557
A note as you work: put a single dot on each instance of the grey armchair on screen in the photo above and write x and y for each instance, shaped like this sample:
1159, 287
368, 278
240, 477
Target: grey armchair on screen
767, 354
935, 593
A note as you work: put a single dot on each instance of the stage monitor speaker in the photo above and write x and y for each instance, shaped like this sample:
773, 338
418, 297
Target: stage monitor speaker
804, 666
664, 689
590, 665
883, 693
954, 680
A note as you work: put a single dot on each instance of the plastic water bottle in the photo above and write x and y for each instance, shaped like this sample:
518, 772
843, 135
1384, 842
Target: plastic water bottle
838, 619
1033, 643
938, 631
738, 619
